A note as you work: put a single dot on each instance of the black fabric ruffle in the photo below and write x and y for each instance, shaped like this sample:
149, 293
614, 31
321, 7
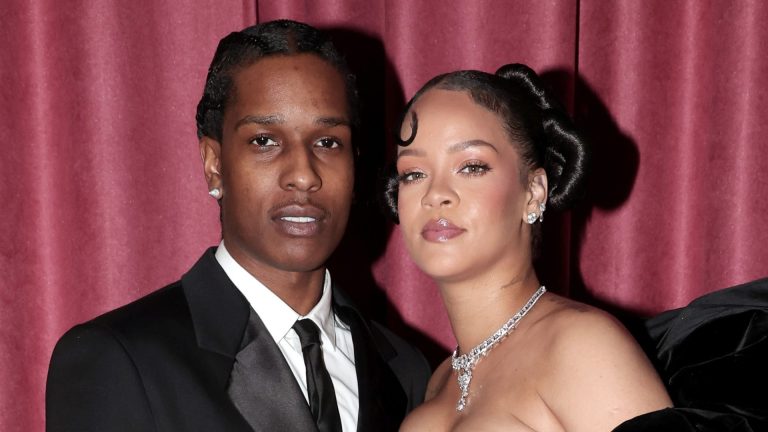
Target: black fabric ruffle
713, 357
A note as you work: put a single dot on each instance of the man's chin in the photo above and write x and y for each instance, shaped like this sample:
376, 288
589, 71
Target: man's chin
301, 267
304, 261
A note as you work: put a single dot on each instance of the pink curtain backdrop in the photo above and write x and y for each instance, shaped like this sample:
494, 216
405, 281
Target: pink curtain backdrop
105, 199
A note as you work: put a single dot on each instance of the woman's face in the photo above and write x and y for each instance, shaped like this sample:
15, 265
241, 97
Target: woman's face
462, 198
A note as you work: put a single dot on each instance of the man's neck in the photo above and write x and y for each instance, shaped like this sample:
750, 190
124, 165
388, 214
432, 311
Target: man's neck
301, 290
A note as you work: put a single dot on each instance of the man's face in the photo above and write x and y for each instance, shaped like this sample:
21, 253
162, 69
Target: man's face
284, 164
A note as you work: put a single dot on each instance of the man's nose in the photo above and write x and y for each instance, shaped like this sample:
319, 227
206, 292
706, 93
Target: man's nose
300, 172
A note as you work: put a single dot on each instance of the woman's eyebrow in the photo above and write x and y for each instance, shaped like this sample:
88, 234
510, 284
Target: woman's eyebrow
410, 152
454, 148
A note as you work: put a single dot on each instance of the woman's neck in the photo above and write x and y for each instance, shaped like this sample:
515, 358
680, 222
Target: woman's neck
480, 306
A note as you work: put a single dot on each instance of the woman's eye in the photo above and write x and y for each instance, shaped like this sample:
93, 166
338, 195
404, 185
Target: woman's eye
328, 143
263, 141
474, 168
410, 177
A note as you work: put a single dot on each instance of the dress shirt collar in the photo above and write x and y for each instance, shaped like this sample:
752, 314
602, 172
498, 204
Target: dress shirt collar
276, 315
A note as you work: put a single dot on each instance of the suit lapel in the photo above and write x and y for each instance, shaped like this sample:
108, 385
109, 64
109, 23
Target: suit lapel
269, 397
262, 386
219, 313
382, 400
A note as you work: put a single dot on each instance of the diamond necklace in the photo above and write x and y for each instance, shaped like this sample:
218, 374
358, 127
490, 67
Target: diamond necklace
465, 363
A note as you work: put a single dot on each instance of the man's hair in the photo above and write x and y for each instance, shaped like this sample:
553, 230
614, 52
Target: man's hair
243, 48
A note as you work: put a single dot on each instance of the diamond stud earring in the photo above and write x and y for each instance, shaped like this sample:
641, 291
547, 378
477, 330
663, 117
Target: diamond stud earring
531, 218
215, 193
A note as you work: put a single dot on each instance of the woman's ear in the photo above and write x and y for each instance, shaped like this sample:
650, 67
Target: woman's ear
210, 152
536, 195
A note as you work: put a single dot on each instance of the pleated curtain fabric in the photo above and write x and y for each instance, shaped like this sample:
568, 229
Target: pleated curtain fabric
104, 198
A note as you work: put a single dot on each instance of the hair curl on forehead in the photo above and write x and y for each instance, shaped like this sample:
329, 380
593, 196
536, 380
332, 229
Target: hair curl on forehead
243, 48
538, 126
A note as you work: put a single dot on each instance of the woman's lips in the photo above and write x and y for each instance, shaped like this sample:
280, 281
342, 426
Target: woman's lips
440, 230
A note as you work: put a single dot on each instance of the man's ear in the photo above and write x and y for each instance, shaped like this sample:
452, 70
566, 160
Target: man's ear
537, 192
210, 152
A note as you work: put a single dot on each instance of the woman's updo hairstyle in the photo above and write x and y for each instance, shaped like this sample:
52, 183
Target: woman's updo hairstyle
537, 124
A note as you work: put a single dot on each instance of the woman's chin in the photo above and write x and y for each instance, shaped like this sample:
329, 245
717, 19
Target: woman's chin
445, 271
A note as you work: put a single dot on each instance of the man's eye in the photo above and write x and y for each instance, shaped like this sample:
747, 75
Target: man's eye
263, 141
327, 143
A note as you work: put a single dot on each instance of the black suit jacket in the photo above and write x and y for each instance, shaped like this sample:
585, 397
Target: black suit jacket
163, 362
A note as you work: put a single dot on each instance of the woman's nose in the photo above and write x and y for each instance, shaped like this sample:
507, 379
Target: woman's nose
439, 194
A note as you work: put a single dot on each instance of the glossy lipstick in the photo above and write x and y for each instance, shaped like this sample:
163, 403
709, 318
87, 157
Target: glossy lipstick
440, 230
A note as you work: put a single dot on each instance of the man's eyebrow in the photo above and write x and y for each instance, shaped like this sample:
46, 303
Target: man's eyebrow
332, 121
263, 120
276, 119
454, 148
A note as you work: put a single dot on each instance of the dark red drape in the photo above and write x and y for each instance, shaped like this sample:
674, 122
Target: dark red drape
105, 199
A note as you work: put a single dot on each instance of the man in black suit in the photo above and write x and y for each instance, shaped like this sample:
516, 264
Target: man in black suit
229, 347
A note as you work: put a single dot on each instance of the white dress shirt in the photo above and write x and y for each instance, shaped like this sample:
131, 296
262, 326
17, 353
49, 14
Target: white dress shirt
278, 318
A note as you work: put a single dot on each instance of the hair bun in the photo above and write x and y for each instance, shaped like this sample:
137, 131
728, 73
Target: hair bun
565, 159
564, 149
528, 79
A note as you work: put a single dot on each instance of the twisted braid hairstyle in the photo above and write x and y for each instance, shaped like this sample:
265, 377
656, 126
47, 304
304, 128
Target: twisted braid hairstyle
539, 127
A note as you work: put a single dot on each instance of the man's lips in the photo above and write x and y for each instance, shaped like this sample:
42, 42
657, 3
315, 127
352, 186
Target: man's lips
298, 220
440, 230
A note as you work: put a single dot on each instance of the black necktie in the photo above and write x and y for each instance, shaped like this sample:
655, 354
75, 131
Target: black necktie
322, 398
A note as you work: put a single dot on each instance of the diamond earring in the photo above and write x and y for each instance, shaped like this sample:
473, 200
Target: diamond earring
215, 193
542, 207
531, 218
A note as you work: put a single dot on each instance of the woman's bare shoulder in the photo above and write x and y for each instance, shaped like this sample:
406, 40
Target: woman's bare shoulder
593, 361
573, 318
562, 323
579, 335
